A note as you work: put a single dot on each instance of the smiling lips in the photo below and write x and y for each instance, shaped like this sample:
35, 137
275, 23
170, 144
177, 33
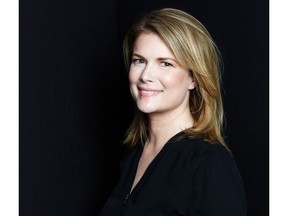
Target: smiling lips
148, 92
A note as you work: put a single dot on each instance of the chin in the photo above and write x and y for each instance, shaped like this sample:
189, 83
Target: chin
147, 107
146, 110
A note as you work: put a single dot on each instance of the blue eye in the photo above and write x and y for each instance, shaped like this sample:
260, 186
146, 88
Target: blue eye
166, 64
138, 61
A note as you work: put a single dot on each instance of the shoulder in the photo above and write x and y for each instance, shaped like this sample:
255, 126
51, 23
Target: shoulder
215, 179
201, 150
201, 145
201, 156
213, 165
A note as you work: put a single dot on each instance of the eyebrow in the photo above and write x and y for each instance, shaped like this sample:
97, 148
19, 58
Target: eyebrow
160, 58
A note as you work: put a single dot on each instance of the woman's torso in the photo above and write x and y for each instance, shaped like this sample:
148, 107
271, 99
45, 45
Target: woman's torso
187, 177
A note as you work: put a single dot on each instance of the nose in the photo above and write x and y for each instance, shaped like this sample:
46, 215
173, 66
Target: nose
148, 73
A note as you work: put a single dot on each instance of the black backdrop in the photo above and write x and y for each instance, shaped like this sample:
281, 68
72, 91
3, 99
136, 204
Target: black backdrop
75, 103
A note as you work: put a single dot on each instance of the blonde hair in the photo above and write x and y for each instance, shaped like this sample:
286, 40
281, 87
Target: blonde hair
195, 50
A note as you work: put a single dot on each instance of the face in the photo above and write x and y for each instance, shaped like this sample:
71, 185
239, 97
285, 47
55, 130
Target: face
158, 83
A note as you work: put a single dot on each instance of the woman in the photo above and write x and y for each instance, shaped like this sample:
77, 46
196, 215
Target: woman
178, 162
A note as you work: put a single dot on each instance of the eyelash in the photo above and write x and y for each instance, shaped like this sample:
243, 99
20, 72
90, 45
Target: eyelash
141, 61
166, 64
137, 61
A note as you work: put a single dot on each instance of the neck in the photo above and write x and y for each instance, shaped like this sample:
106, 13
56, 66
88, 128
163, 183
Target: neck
163, 127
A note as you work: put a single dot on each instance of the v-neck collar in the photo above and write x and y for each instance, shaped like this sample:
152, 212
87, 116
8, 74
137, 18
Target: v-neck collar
150, 167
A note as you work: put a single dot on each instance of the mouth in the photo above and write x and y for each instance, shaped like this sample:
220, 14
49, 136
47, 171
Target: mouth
149, 93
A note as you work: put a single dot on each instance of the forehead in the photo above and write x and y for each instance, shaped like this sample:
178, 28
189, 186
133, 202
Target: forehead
151, 44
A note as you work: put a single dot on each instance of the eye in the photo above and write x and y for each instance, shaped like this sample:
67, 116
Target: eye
138, 61
166, 64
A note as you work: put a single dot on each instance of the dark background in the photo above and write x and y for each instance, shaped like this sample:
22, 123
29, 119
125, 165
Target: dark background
75, 104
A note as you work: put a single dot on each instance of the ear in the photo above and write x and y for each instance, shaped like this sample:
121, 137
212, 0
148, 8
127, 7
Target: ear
192, 84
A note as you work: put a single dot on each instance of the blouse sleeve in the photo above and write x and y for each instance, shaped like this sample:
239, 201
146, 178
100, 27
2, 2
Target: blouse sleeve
218, 187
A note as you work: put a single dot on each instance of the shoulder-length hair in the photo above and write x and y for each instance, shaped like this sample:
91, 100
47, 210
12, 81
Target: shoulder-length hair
194, 49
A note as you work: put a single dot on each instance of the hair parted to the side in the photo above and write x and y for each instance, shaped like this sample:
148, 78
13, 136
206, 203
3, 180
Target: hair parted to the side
194, 49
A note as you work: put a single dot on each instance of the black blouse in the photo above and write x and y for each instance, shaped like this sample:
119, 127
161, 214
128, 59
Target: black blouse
187, 177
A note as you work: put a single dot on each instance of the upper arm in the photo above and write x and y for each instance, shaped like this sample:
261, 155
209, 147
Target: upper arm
218, 186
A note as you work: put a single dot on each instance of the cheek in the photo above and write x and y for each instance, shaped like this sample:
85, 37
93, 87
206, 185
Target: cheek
133, 77
175, 80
